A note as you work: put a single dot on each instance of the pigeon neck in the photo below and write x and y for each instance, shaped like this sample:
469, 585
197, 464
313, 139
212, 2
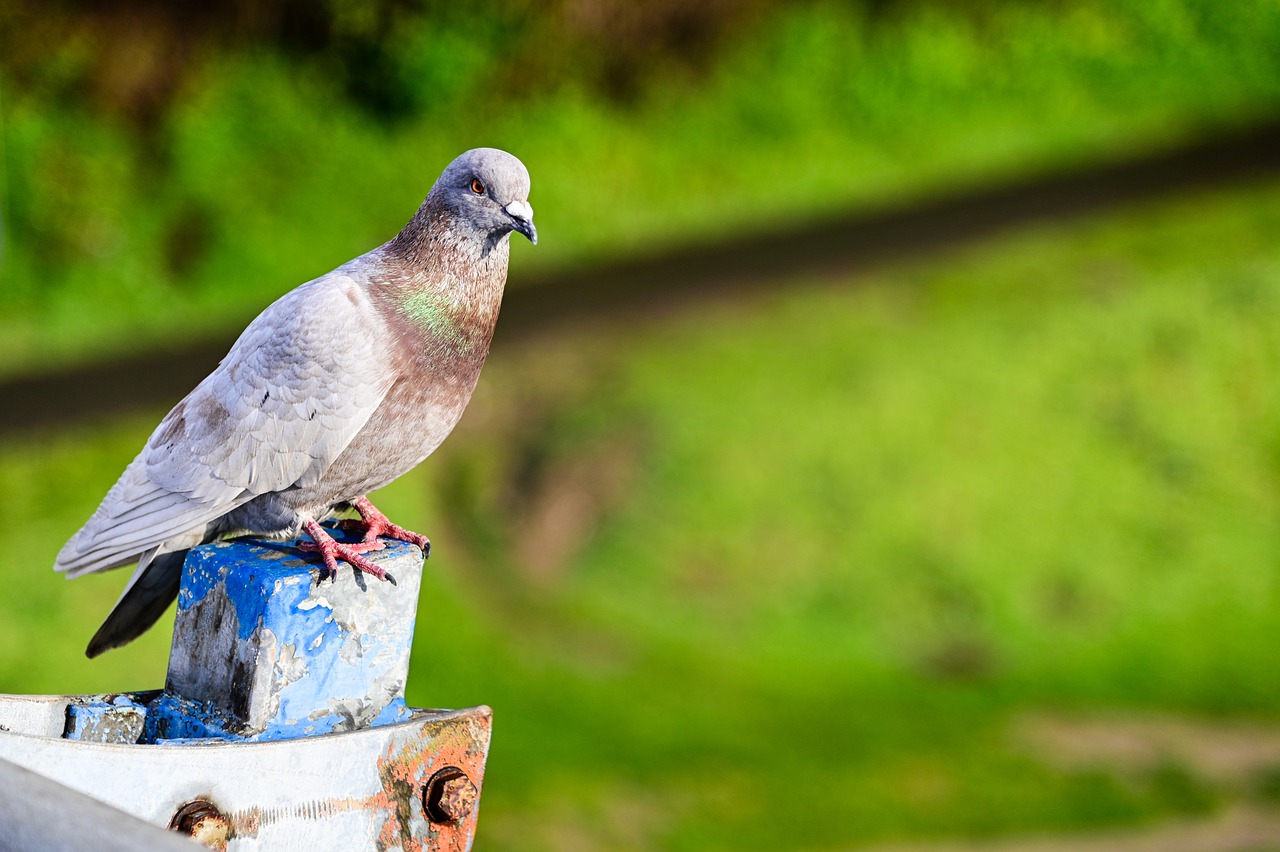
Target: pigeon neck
443, 282
432, 240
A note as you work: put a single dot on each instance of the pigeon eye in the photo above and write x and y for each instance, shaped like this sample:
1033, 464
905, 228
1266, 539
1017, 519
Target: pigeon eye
477, 187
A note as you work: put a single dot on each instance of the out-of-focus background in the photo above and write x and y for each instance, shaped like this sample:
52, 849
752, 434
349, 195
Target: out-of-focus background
972, 537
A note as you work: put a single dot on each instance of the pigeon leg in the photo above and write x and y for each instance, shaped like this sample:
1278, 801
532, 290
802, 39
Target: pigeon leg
356, 547
331, 551
375, 523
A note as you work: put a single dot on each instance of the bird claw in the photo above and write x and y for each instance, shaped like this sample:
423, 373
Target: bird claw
374, 524
331, 550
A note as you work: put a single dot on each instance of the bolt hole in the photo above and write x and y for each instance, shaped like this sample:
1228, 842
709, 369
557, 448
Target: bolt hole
448, 795
201, 820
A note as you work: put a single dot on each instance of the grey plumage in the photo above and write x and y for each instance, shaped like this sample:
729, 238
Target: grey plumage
336, 389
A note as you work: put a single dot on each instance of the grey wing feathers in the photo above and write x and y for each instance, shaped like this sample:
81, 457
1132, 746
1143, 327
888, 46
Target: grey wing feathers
135, 516
294, 390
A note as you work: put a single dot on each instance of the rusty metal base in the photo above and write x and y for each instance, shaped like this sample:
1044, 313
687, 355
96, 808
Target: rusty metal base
412, 785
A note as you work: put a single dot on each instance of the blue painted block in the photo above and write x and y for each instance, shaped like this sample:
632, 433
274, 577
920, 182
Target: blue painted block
107, 718
266, 647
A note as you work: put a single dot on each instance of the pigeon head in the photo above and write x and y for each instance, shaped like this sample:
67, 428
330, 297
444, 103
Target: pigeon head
488, 190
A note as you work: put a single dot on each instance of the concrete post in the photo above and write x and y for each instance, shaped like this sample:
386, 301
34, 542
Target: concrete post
264, 648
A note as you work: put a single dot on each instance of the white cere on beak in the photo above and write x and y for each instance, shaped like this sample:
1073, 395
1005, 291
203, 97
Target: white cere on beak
520, 210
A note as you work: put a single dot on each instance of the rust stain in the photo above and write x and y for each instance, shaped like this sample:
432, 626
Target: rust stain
405, 769
249, 821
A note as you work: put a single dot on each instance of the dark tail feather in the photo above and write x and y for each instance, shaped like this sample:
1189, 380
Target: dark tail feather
141, 605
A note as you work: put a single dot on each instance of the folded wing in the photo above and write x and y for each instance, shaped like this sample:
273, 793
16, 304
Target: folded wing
295, 389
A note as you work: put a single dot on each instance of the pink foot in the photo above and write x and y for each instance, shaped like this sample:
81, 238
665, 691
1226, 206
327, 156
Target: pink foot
331, 551
358, 547
375, 523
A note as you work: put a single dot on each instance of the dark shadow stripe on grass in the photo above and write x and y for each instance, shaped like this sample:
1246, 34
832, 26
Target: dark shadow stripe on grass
671, 281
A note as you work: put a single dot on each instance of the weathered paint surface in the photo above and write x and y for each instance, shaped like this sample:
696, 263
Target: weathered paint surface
265, 647
406, 766
353, 791
283, 723
118, 718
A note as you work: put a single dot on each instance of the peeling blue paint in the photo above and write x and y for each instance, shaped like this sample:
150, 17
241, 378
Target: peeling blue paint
261, 570
265, 649
172, 720
118, 718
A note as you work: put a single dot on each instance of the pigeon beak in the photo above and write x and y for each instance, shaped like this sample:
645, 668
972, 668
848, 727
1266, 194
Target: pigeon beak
522, 219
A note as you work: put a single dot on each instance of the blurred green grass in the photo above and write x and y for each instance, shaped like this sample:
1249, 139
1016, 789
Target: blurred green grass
264, 173
780, 573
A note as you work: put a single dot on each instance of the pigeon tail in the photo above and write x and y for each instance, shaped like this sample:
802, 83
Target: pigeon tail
143, 602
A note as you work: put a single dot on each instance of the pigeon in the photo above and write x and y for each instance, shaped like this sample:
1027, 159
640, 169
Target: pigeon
336, 389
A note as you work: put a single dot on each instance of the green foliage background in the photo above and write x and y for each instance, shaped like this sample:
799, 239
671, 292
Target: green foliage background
263, 171
777, 573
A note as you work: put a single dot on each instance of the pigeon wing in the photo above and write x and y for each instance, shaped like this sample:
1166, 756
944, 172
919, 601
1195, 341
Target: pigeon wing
295, 389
